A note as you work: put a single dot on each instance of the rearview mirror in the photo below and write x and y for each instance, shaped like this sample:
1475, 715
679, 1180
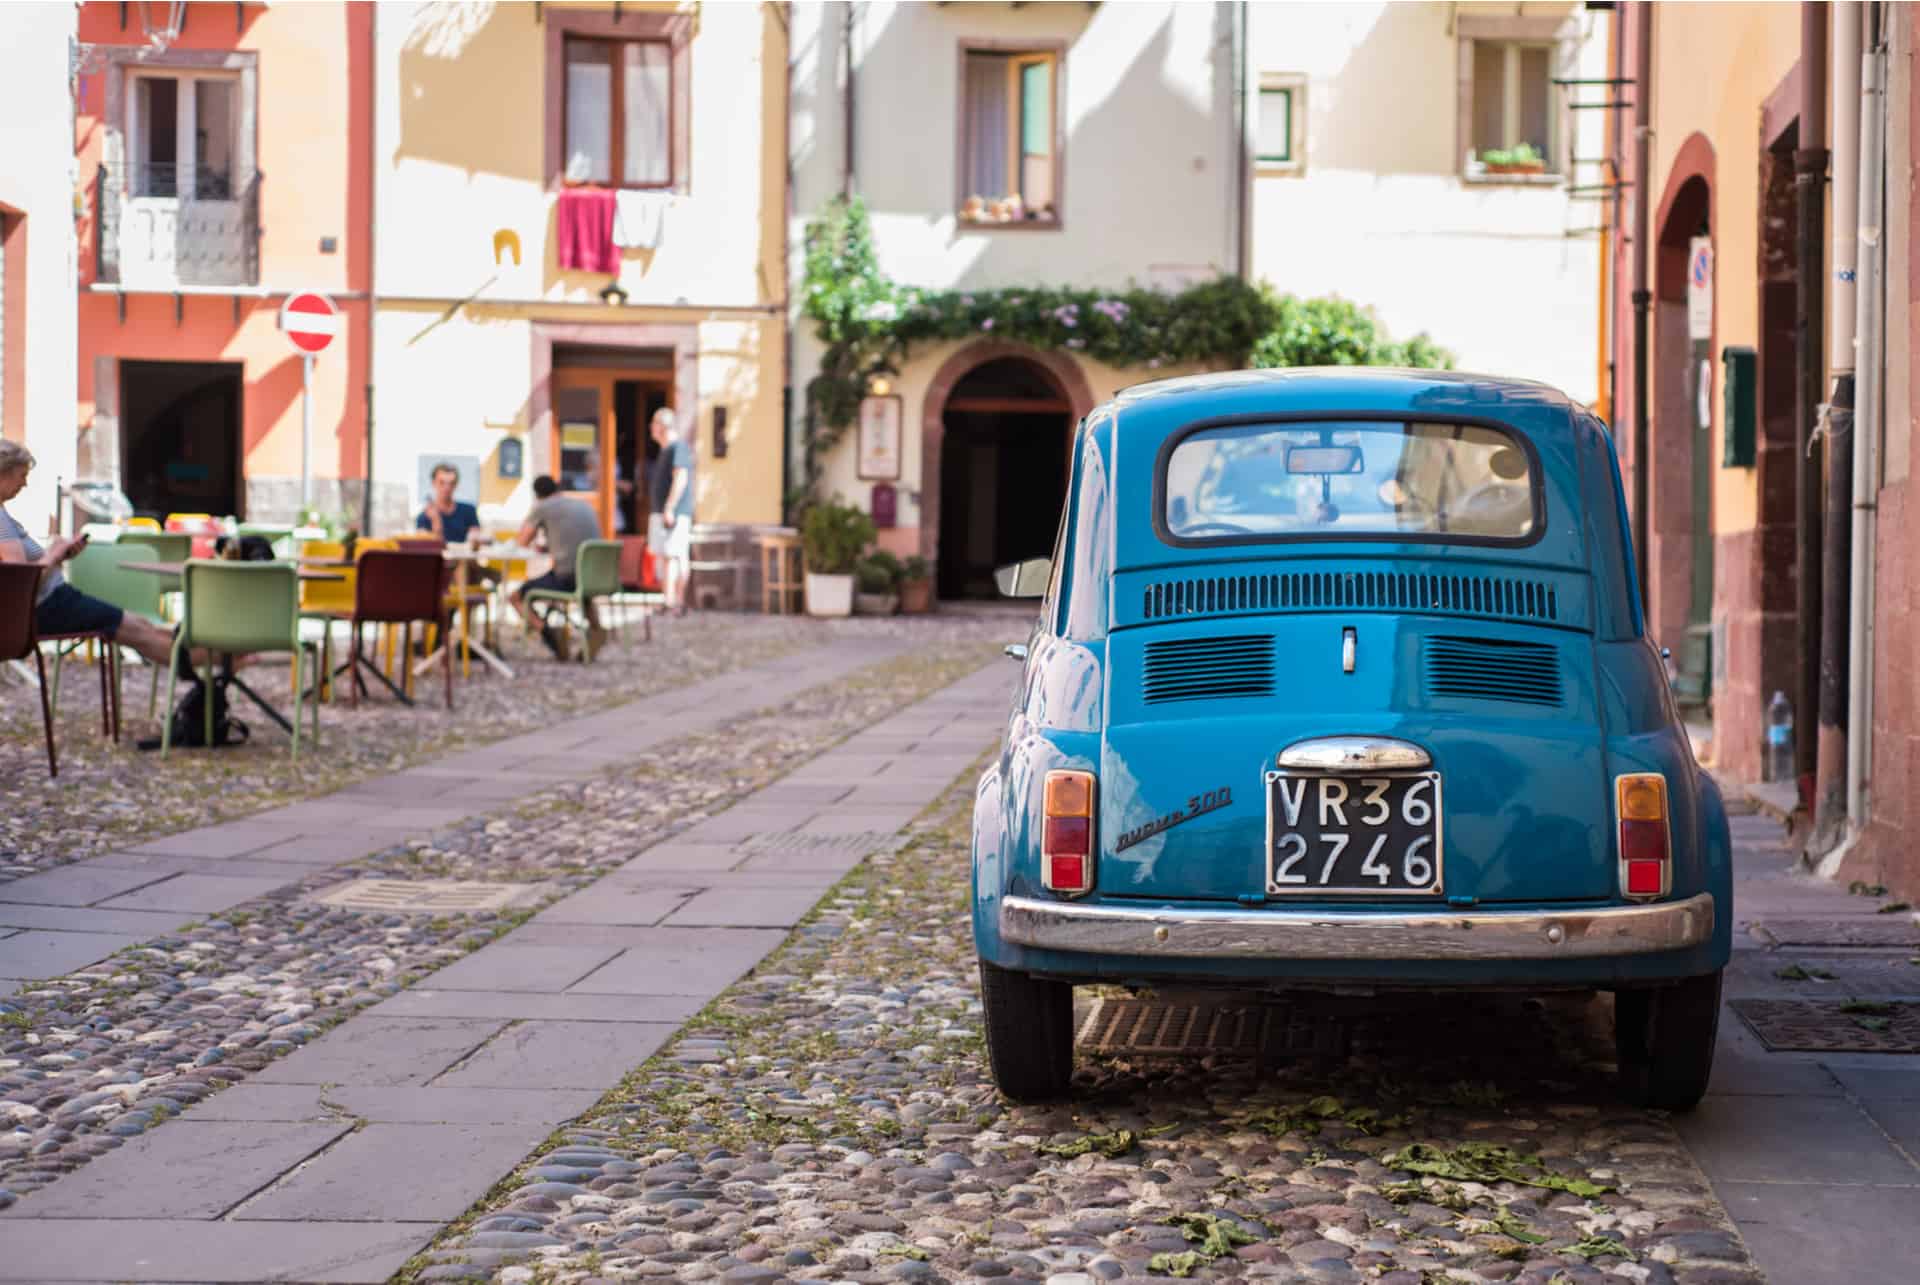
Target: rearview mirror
1024, 579
1324, 461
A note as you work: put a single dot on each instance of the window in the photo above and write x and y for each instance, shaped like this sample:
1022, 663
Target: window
618, 112
184, 137
1511, 114
1419, 481
1280, 122
1010, 162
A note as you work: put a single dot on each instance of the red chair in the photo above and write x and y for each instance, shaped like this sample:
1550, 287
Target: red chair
19, 594
394, 587
640, 575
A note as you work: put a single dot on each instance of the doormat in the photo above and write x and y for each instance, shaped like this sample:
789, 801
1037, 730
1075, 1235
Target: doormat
1148, 1027
428, 896
1890, 930
1812, 1026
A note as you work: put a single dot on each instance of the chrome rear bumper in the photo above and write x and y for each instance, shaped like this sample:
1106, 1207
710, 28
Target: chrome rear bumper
1333, 934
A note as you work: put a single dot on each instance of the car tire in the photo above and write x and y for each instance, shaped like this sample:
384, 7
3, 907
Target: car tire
1664, 1038
1029, 1033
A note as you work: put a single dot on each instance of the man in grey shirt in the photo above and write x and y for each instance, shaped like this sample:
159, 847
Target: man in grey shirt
569, 523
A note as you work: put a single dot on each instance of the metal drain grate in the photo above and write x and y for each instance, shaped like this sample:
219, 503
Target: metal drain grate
428, 896
858, 845
1798, 1025
1892, 930
1164, 1028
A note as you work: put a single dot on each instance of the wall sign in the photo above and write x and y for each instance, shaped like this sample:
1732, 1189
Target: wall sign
511, 464
1700, 288
880, 439
885, 506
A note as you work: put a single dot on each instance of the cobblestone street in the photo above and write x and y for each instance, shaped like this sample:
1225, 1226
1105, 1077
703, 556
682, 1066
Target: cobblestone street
722, 1022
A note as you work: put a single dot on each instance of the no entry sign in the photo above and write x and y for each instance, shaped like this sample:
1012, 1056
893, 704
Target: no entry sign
310, 321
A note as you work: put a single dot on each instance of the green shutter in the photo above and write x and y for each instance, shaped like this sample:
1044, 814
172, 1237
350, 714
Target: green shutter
1036, 109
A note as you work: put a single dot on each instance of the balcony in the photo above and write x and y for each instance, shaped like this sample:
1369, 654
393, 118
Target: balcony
162, 226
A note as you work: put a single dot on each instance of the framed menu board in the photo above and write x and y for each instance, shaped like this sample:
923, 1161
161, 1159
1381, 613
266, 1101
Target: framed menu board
880, 439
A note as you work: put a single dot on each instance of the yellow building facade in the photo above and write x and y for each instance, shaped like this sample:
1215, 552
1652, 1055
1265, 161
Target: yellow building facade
511, 338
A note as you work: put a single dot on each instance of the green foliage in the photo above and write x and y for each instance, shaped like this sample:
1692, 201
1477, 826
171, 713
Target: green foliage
1596, 1246
1213, 1236
833, 534
869, 325
915, 568
1107, 1144
1519, 156
1485, 1162
878, 572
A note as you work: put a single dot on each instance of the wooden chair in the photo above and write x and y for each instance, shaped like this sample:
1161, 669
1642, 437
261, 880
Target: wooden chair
780, 582
19, 637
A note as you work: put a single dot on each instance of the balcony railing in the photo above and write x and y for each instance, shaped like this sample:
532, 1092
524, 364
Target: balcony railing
166, 225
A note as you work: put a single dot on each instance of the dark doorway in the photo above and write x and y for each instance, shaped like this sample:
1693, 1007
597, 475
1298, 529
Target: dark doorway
180, 437
634, 403
1003, 473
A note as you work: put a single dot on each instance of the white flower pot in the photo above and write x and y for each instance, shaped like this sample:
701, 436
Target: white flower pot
829, 595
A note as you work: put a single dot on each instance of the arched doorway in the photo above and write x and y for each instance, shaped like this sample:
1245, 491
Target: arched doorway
1680, 518
999, 424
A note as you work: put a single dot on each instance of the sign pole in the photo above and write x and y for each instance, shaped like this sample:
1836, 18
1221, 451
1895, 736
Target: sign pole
306, 431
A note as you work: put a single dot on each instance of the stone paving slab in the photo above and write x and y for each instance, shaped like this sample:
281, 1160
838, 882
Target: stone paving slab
34, 954
81, 884
403, 1105
521, 1005
1879, 1084
1793, 1140
144, 923
381, 1051
630, 906
209, 1168
852, 818
1801, 1234
682, 961
559, 1055
758, 908
196, 893
510, 966
230, 838
48, 1249
448, 1166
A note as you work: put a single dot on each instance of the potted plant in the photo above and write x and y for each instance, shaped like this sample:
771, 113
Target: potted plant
832, 534
916, 586
876, 581
1522, 158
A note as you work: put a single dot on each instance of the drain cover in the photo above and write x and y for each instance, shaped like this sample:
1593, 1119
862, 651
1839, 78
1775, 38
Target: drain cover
1798, 1025
1889, 930
1163, 1028
860, 844
428, 896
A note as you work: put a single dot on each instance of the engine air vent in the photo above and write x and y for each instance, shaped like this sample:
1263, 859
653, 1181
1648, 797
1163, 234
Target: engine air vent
1514, 597
1492, 669
1185, 669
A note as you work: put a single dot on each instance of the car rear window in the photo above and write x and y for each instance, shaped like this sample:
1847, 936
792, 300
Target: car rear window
1414, 480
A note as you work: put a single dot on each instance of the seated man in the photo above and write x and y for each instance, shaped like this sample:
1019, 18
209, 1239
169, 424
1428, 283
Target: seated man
569, 523
454, 521
62, 609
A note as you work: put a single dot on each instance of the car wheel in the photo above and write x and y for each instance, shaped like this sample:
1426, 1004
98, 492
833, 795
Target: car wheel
1663, 1038
1029, 1033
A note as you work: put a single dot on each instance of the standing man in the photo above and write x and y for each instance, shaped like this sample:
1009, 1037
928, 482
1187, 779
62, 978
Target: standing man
674, 467
452, 520
569, 523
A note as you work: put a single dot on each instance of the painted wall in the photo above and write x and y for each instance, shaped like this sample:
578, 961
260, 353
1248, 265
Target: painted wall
313, 131
36, 181
1148, 167
1502, 273
462, 149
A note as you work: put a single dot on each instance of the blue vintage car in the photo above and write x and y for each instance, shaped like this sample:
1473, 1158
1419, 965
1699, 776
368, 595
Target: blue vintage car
1340, 679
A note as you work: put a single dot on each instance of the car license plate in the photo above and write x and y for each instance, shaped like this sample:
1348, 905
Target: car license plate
1353, 835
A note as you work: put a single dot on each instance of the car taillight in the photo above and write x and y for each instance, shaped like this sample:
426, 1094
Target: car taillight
1646, 865
1066, 841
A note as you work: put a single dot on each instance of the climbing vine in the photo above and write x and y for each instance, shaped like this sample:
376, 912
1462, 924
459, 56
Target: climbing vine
869, 324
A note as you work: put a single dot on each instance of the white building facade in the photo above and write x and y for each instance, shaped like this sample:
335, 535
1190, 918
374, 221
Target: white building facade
38, 325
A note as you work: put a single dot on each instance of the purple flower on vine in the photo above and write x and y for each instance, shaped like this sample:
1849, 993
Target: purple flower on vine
1067, 315
1113, 310
987, 324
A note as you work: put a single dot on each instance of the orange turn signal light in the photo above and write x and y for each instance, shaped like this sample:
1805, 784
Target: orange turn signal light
1069, 794
1642, 796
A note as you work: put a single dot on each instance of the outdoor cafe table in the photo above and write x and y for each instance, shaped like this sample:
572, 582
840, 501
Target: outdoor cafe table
227, 675
463, 557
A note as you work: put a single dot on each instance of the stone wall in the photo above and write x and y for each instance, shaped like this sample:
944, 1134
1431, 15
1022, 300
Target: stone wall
277, 499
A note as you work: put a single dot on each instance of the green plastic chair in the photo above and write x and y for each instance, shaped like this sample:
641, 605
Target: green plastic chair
166, 546
596, 575
243, 607
99, 571
278, 534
